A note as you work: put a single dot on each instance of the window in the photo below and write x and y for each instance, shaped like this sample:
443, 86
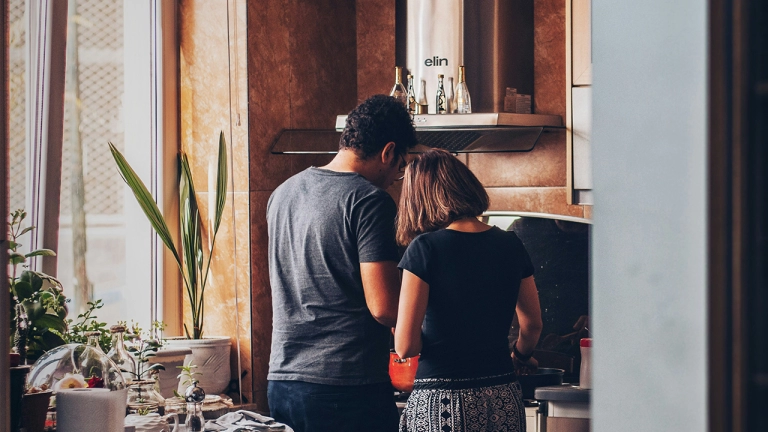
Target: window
113, 92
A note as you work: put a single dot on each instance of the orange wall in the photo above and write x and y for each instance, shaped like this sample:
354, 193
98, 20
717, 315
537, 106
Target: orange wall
213, 79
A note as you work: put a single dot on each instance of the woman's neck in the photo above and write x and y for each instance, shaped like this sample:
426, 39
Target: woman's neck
469, 224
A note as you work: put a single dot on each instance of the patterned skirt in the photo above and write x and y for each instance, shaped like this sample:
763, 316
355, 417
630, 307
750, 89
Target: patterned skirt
465, 405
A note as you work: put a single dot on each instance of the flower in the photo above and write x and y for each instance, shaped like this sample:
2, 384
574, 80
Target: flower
95, 382
71, 381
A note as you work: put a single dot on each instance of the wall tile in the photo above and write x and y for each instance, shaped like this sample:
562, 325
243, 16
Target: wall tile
206, 71
261, 297
205, 87
323, 58
549, 57
375, 47
302, 74
542, 166
230, 270
588, 211
539, 200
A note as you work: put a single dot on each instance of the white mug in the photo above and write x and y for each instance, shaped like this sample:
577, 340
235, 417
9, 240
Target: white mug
152, 422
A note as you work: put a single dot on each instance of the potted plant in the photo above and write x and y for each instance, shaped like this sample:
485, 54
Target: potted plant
142, 393
38, 312
38, 304
193, 259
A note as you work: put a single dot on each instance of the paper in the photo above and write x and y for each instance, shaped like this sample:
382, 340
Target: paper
90, 410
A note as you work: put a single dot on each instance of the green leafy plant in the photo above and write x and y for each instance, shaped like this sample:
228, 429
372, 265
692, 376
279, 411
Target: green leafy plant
88, 322
187, 377
38, 304
194, 261
144, 411
143, 351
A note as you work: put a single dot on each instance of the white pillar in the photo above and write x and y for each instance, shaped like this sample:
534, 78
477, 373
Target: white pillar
649, 244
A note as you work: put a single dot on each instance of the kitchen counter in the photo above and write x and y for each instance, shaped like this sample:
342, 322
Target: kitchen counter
564, 407
563, 393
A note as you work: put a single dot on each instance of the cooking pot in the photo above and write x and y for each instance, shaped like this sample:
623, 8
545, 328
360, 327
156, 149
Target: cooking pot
402, 372
542, 377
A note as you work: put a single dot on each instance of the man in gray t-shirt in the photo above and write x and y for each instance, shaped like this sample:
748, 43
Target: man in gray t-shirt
335, 283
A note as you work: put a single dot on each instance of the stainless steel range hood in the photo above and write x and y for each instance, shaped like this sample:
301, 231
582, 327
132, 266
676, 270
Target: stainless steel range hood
457, 133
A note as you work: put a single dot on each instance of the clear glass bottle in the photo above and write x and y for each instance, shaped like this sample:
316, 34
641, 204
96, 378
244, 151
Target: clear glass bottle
120, 356
411, 96
423, 104
194, 395
463, 101
440, 100
93, 365
451, 96
398, 90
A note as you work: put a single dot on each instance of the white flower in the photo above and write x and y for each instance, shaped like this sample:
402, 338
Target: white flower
71, 381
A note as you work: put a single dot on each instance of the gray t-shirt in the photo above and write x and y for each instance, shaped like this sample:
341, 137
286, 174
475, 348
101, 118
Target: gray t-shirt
322, 224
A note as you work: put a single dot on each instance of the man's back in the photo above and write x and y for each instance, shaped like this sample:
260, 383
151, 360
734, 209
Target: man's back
322, 224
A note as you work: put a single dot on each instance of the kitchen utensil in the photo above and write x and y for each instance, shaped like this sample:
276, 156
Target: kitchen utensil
542, 377
402, 372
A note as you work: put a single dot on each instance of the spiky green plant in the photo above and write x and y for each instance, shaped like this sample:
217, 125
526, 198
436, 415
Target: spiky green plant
193, 263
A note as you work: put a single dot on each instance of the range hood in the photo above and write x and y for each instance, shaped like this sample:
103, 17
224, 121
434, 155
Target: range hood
457, 133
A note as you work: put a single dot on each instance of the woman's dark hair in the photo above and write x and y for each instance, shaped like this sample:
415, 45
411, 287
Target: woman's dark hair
375, 122
437, 189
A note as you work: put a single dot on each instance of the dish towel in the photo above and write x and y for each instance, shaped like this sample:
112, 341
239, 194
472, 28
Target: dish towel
243, 421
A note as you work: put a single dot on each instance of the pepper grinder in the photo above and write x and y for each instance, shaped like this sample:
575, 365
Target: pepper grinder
194, 396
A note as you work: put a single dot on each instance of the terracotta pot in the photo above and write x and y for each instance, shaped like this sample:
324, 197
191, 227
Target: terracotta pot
402, 372
34, 409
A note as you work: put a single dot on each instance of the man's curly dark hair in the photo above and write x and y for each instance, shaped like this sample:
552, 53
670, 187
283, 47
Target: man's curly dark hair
375, 122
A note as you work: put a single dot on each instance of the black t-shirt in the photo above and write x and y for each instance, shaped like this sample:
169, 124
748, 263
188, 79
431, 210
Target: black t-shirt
474, 280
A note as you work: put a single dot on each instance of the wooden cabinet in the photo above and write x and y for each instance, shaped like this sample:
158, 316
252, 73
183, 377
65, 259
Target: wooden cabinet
578, 51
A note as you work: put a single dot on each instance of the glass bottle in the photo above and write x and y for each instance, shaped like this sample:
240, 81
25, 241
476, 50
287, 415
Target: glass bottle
93, 365
423, 104
450, 96
463, 102
119, 355
411, 96
440, 100
194, 395
398, 90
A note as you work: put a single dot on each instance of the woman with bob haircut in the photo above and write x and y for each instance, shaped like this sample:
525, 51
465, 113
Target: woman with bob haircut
462, 283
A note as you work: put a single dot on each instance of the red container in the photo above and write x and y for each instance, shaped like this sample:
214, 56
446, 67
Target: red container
402, 372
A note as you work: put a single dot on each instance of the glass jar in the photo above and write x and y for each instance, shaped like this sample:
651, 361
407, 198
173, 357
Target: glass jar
119, 355
93, 365
65, 367
143, 398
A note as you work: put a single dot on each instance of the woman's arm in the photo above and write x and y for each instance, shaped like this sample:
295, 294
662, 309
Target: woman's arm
414, 294
528, 315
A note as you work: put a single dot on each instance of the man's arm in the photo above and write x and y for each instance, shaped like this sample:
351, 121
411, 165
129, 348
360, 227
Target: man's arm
381, 284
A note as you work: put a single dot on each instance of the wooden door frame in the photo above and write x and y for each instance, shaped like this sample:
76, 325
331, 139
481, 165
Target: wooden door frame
727, 374
5, 307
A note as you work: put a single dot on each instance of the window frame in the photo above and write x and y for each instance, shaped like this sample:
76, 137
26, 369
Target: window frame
159, 37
